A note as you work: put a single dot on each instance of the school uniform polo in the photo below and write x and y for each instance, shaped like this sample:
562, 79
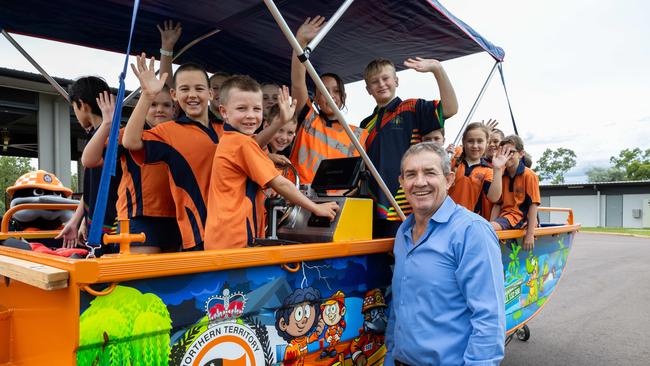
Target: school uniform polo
470, 183
92, 177
187, 148
519, 193
236, 202
318, 139
392, 129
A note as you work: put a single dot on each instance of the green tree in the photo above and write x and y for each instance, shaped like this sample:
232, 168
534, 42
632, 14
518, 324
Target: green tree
74, 183
11, 168
635, 163
555, 163
604, 175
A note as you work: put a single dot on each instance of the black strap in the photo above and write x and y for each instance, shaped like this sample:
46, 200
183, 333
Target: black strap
503, 81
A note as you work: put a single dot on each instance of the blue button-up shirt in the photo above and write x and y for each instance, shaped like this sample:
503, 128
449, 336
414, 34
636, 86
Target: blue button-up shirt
448, 295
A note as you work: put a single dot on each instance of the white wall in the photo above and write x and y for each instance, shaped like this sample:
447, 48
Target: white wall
585, 209
630, 202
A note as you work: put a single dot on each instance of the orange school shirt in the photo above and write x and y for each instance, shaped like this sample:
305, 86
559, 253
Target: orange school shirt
236, 202
187, 148
470, 183
143, 190
519, 193
319, 139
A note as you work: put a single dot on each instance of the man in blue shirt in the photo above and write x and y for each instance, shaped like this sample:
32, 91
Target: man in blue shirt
448, 295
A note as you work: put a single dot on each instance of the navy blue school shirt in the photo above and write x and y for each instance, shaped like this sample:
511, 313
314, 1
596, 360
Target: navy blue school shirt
392, 129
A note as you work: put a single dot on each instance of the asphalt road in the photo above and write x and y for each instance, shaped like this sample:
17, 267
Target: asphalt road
600, 312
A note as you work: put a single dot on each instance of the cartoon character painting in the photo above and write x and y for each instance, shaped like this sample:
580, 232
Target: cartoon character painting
368, 348
532, 267
298, 321
333, 310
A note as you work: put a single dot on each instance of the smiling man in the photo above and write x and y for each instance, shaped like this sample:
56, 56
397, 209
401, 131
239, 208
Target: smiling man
448, 298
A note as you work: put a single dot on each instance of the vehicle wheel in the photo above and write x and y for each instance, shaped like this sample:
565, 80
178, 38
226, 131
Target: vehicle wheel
523, 333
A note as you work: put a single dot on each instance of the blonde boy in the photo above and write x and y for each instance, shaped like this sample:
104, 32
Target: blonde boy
241, 169
395, 125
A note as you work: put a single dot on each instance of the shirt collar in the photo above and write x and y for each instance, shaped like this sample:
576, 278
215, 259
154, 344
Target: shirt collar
391, 106
185, 120
521, 167
213, 118
442, 215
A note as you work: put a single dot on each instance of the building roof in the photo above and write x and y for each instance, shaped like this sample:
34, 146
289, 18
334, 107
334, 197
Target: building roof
594, 184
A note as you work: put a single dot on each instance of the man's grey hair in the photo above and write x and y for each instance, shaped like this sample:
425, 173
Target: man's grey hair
431, 147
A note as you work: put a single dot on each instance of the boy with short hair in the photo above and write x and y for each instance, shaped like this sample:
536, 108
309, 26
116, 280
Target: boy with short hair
84, 95
216, 80
240, 169
395, 125
185, 145
520, 197
435, 136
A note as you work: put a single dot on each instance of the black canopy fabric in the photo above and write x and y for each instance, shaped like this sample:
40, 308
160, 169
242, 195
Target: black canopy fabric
249, 41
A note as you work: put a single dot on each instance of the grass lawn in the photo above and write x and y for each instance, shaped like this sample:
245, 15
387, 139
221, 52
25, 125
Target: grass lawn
617, 230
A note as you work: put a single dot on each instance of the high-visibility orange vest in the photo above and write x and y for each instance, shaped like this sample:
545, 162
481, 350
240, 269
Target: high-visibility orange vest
316, 141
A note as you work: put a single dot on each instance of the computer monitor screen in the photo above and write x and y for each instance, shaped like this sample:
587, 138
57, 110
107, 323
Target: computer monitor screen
340, 173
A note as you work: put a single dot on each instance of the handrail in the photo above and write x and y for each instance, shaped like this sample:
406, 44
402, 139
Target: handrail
4, 227
559, 209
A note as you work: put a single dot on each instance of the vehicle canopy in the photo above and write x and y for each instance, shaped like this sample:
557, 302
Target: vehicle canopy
249, 41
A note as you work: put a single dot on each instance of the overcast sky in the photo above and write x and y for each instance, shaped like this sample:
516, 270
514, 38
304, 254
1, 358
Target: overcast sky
577, 72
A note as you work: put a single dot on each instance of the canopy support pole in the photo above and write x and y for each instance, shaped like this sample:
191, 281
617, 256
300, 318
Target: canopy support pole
187, 47
321, 87
477, 101
38, 67
328, 26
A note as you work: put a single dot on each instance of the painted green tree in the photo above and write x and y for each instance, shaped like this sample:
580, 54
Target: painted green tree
125, 328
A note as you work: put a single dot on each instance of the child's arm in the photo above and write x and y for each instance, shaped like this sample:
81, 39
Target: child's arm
447, 94
496, 211
151, 86
69, 233
498, 163
169, 35
307, 31
531, 218
289, 191
286, 114
93, 154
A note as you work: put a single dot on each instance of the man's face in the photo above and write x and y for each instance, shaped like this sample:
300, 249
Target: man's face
382, 85
243, 110
215, 86
192, 93
424, 183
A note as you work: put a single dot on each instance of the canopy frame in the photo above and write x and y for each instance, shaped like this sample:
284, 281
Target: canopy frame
323, 90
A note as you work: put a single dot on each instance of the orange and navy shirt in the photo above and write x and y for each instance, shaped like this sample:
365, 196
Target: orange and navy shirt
519, 192
486, 204
318, 139
392, 129
187, 148
143, 190
236, 201
470, 184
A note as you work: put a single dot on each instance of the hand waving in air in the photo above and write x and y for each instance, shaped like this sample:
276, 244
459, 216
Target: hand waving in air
501, 157
420, 64
106, 103
286, 104
169, 34
309, 29
149, 83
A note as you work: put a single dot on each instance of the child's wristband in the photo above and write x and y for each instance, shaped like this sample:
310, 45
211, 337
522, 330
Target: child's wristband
164, 52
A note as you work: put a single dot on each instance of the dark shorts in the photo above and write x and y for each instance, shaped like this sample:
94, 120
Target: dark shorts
161, 232
504, 223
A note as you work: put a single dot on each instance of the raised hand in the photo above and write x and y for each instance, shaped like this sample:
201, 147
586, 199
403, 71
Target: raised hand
287, 106
501, 157
309, 29
106, 103
169, 34
491, 124
149, 83
420, 64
